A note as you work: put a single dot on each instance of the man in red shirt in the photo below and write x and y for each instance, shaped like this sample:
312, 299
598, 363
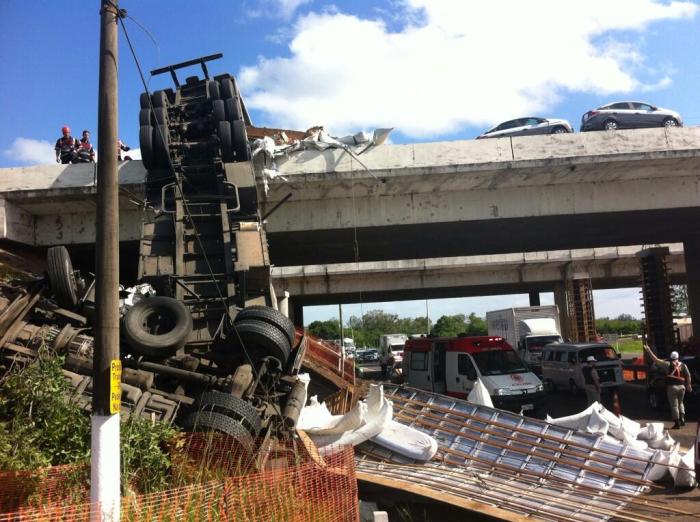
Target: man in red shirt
66, 147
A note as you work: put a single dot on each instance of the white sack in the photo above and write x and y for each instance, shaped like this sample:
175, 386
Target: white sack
651, 431
480, 395
377, 414
577, 421
684, 474
315, 419
629, 440
620, 425
661, 460
597, 424
664, 442
407, 441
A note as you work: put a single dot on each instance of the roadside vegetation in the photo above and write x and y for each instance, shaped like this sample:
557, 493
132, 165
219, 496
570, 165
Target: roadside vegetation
41, 425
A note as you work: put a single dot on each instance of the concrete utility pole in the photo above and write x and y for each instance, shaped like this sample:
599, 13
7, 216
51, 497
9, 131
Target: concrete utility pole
105, 471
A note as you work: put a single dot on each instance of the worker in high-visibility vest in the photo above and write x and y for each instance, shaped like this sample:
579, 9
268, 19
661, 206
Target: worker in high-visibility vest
678, 381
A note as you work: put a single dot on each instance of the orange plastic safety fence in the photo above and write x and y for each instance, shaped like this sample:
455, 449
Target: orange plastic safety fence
215, 479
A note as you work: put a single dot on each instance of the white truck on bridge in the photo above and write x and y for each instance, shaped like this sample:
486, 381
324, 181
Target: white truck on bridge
527, 329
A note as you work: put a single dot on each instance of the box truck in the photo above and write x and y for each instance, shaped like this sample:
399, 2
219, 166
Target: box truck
527, 329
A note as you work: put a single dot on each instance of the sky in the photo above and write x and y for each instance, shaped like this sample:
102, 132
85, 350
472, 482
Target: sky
435, 70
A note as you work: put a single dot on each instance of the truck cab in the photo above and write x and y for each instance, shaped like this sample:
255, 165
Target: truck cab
393, 344
453, 365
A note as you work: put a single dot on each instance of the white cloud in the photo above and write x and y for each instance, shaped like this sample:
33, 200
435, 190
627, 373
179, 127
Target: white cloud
284, 9
454, 63
31, 152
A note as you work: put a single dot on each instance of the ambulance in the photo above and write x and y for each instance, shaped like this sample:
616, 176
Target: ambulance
451, 365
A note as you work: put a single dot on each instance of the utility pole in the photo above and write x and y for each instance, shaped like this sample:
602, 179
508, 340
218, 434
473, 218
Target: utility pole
106, 398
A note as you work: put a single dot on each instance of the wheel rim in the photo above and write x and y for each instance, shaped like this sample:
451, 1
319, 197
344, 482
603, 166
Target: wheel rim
559, 131
611, 125
671, 123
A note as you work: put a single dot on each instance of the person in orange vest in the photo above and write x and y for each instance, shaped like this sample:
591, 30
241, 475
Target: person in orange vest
677, 383
66, 147
86, 152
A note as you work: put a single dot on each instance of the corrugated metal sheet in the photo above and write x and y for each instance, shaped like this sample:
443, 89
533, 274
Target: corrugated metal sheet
515, 464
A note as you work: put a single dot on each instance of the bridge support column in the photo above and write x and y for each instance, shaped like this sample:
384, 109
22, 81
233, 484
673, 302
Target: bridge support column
658, 306
283, 303
296, 313
560, 301
691, 251
579, 298
534, 298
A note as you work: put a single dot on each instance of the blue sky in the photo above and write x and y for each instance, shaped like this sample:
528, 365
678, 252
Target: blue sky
438, 70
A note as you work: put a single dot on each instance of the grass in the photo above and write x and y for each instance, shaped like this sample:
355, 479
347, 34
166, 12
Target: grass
629, 346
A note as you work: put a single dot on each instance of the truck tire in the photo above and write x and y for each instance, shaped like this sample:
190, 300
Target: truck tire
160, 99
146, 144
213, 90
233, 110
225, 139
227, 88
145, 101
62, 277
161, 145
157, 326
207, 421
232, 407
219, 110
160, 115
241, 149
145, 117
270, 316
259, 340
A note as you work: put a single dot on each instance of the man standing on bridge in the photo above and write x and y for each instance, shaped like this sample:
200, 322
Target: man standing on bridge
592, 380
677, 382
66, 147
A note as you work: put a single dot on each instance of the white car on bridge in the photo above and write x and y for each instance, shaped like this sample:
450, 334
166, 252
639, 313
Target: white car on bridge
528, 127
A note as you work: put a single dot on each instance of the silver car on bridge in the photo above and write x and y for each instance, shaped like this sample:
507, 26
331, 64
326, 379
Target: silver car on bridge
528, 127
629, 115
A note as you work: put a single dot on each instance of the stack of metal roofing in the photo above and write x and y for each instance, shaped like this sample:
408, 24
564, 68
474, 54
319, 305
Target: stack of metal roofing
507, 465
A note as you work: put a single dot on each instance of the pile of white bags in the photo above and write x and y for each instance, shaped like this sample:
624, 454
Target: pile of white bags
368, 420
651, 438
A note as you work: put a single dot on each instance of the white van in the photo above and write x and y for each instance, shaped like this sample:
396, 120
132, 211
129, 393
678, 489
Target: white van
451, 365
562, 365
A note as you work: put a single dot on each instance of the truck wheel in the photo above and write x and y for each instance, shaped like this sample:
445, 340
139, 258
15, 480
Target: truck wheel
225, 139
145, 101
219, 110
161, 145
260, 340
207, 421
233, 111
160, 115
232, 407
160, 99
146, 144
270, 316
145, 117
62, 277
227, 88
213, 90
157, 326
241, 149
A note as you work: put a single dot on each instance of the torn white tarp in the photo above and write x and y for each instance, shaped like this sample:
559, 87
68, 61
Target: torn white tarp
370, 419
480, 395
317, 139
132, 295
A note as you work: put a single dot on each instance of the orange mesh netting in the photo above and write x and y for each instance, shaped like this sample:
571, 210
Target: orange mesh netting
214, 479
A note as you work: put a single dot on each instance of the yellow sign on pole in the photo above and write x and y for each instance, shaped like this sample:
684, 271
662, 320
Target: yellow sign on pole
115, 389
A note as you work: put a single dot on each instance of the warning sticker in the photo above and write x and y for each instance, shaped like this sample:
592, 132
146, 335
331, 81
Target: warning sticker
115, 389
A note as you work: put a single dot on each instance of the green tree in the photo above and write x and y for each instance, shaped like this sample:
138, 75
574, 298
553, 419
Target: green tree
450, 325
328, 330
680, 299
476, 325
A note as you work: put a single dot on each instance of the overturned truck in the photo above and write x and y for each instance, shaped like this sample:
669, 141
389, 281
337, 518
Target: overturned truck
209, 350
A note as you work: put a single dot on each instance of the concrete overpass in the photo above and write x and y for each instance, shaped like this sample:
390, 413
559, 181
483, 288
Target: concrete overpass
433, 200
464, 276
487, 196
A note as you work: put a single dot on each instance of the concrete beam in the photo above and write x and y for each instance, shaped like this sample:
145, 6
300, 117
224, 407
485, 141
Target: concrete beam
447, 277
